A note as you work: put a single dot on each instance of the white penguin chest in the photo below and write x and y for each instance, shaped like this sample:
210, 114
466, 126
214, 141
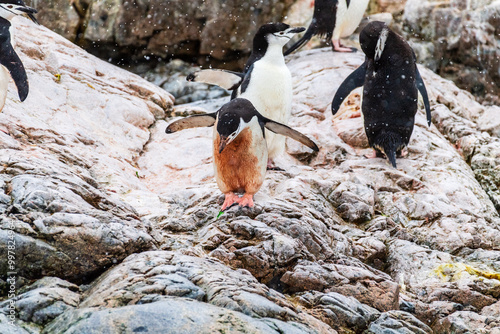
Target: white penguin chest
348, 18
270, 90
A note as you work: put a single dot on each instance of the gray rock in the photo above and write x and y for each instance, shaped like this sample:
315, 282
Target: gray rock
340, 312
462, 38
213, 29
44, 300
7, 327
398, 322
173, 315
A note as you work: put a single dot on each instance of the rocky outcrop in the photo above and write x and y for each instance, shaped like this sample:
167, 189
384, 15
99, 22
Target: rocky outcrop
116, 228
212, 31
458, 40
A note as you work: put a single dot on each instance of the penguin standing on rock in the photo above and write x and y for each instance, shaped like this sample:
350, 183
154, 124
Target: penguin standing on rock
266, 80
239, 147
391, 82
334, 19
8, 58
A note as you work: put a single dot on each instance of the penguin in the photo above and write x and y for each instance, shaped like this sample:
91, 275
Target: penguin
11, 64
239, 147
265, 81
334, 19
391, 82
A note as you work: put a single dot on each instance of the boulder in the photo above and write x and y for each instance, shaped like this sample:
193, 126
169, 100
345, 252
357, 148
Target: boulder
458, 40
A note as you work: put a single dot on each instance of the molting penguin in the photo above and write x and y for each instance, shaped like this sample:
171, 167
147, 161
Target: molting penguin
266, 81
390, 98
8, 58
334, 19
239, 147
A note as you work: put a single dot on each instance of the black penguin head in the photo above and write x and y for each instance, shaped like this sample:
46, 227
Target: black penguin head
373, 39
233, 118
274, 33
11, 8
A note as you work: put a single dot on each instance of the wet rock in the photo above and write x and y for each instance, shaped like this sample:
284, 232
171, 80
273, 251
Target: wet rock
43, 301
395, 322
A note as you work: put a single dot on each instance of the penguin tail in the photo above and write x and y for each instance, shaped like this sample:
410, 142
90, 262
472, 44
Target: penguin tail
311, 31
390, 143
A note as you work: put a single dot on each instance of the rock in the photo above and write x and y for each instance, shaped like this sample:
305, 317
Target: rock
43, 301
340, 312
152, 277
346, 276
462, 38
171, 77
395, 322
95, 193
6, 327
467, 322
172, 315
212, 30
63, 164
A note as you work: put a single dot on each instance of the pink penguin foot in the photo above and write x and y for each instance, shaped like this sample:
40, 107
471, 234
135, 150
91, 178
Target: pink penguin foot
336, 46
246, 200
373, 155
229, 200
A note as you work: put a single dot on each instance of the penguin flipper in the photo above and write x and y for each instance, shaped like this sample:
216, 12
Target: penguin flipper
287, 131
12, 62
195, 121
226, 79
354, 80
425, 97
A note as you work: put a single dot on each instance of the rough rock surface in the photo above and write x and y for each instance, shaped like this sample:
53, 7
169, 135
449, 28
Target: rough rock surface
215, 30
458, 39
336, 243
66, 151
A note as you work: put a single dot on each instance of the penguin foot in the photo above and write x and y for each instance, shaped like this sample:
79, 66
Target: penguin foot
337, 47
403, 153
374, 154
246, 200
230, 199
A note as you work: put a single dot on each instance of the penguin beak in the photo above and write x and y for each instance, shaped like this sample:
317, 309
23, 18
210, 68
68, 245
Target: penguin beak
223, 141
29, 13
296, 30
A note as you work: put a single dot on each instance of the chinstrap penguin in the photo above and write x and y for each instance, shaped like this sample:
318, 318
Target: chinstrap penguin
391, 82
11, 64
239, 147
266, 80
334, 19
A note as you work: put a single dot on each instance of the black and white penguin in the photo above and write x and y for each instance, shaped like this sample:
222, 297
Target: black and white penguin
11, 64
334, 19
391, 82
266, 80
239, 147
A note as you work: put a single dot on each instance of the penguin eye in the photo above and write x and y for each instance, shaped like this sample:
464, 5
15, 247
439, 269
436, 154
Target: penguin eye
282, 32
10, 6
